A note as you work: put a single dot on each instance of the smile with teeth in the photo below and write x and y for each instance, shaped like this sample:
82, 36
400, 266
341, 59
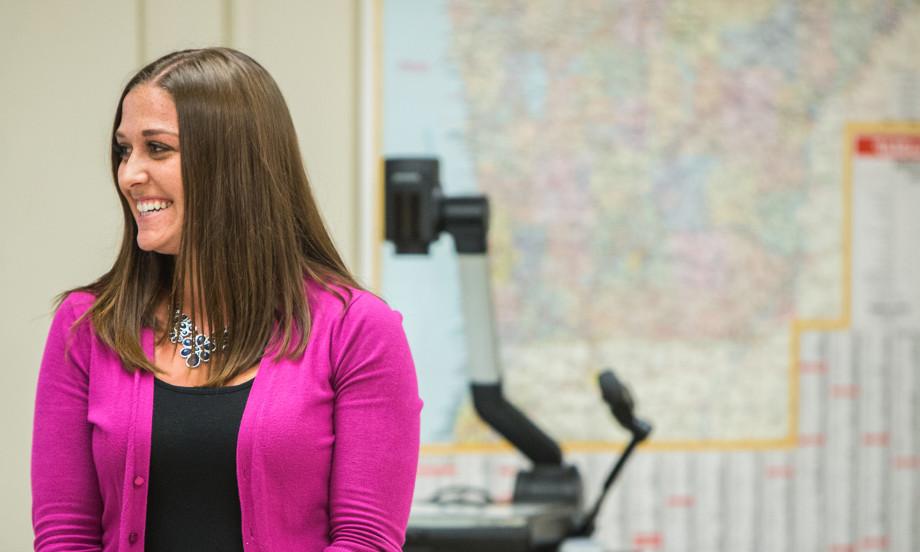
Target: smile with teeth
149, 207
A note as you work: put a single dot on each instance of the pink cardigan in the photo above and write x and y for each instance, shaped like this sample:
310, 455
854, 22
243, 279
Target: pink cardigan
327, 449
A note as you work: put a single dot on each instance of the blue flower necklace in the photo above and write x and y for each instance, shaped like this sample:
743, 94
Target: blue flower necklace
196, 347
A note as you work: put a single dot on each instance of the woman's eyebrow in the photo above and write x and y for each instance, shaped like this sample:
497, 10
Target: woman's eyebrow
149, 132
152, 131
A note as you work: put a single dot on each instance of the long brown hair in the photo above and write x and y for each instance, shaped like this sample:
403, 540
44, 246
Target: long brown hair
251, 236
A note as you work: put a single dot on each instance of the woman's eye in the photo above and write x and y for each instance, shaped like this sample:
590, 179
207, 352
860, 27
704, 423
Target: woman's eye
121, 151
155, 147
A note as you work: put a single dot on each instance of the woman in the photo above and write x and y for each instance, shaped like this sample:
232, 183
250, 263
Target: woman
227, 385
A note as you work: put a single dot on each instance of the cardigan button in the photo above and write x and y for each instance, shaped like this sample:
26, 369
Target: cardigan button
132, 538
138, 481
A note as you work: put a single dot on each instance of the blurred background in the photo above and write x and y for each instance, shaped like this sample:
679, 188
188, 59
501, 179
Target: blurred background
718, 199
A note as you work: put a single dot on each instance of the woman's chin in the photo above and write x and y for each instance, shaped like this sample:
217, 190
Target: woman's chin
156, 246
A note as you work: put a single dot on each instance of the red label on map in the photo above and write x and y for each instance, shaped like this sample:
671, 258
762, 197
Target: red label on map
681, 501
901, 147
647, 541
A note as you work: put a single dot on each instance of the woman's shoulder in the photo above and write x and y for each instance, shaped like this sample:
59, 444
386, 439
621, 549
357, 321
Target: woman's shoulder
341, 300
347, 307
75, 304
69, 322
362, 330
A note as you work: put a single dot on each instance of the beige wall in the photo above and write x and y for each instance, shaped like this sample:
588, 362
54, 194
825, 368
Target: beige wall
62, 65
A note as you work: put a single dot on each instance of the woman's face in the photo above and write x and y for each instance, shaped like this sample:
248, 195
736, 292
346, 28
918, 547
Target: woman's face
150, 173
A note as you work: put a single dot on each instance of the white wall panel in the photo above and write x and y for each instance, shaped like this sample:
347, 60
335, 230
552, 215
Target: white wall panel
62, 65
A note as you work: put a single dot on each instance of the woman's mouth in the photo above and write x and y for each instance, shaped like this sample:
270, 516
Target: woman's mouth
148, 208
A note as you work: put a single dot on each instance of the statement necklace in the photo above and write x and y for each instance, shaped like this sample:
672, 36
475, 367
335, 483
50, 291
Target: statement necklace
196, 347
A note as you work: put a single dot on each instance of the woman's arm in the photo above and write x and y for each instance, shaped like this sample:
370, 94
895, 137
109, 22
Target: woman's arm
66, 504
376, 430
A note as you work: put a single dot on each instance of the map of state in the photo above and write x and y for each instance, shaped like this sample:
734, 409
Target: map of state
666, 192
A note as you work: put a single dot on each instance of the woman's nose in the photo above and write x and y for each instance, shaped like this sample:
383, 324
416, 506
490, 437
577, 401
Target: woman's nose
133, 171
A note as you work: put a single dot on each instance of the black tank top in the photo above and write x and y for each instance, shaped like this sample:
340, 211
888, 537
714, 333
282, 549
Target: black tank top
193, 501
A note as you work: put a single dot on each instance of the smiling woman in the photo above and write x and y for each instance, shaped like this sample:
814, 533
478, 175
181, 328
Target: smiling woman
226, 385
